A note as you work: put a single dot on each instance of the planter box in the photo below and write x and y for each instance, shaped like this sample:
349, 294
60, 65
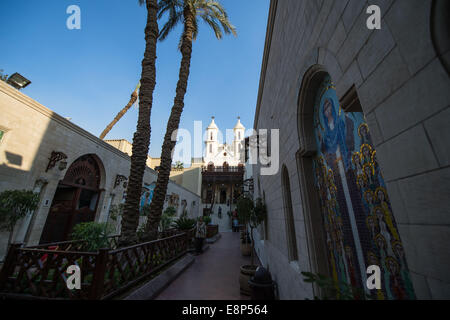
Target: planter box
212, 230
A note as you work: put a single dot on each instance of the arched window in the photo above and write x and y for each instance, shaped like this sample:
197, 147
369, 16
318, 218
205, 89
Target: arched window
210, 148
289, 215
239, 135
211, 136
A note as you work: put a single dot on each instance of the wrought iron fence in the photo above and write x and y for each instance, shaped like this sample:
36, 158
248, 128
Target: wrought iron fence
39, 272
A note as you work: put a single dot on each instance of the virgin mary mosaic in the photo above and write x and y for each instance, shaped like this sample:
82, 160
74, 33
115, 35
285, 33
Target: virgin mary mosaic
357, 214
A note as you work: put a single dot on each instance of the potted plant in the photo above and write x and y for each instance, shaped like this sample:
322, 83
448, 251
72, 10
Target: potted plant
186, 225
211, 229
207, 220
252, 216
246, 244
245, 208
15, 205
258, 216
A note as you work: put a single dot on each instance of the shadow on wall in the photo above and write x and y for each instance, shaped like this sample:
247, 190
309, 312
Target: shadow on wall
31, 133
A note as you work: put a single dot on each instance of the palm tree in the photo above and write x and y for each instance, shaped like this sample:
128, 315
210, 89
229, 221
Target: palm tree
122, 112
141, 138
188, 11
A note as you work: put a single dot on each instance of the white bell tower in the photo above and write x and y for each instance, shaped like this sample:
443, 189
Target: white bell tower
238, 143
211, 142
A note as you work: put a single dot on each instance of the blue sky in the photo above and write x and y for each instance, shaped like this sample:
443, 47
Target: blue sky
89, 74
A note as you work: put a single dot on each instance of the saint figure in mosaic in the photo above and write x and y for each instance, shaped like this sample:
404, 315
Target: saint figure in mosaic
358, 218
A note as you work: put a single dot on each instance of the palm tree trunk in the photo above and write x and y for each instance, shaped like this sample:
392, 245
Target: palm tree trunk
121, 113
141, 139
174, 120
10, 236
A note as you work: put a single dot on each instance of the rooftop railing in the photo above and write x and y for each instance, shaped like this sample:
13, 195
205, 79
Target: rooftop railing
223, 169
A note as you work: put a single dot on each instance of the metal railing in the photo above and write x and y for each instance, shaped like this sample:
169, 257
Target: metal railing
39, 272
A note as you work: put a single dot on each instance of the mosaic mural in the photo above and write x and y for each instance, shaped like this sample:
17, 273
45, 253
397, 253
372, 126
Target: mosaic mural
147, 194
358, 220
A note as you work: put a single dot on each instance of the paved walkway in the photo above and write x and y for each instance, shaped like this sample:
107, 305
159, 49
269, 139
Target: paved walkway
213, 276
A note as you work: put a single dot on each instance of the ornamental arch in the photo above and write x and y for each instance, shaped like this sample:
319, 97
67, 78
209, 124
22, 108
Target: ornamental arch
349, 220
76, 198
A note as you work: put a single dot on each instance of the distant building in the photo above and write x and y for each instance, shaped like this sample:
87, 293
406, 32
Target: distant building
127, 147
222, 174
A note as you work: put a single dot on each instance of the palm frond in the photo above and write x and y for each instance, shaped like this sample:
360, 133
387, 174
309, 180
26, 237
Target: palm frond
210, 11
174, 9
214, 14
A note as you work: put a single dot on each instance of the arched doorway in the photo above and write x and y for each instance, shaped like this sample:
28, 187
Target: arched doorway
75, 200
346, 199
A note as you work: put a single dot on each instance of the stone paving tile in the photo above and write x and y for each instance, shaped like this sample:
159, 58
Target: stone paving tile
213, 276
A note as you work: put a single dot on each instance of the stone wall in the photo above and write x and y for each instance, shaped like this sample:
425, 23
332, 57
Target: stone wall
403, 89
32, 132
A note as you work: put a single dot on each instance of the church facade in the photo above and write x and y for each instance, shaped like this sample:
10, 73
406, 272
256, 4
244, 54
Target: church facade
364, 175
222, 174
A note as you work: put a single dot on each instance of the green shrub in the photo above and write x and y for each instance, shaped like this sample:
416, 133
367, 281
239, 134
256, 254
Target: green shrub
184, 223
141, 232
207, 219
167, 218
245, 207
94, 233
170, 211
14, 205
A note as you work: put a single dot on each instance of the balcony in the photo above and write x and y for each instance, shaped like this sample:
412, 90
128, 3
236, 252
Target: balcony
223, 174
